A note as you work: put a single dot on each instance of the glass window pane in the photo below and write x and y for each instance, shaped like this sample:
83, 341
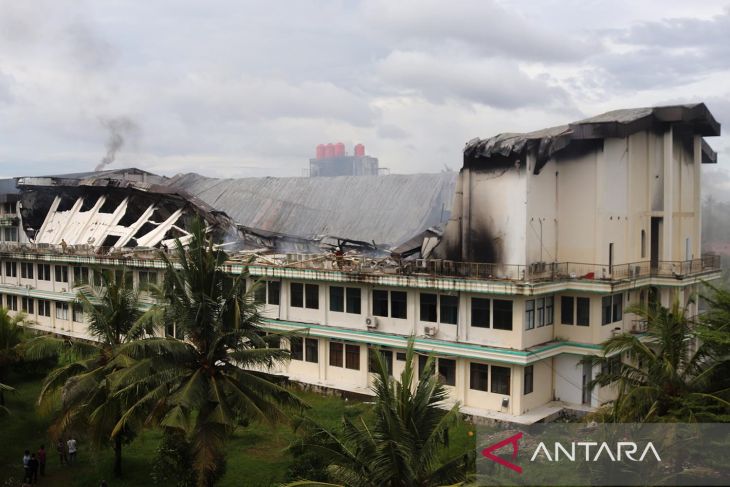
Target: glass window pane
353, 300
566, 310
297, 294
337, 299
502, 314
428, 307
380, 302
500, 380
311, 346
398, 301
352, 357
311, 296
274, 289
447, 371
336, 354
449, 309
478, 376
480, 312
582, 311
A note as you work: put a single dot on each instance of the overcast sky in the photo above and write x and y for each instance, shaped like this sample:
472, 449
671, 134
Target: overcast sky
247, 88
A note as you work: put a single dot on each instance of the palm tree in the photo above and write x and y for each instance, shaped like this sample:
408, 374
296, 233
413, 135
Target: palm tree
666, 374
12, 334
216, 378
406, 443
82, 380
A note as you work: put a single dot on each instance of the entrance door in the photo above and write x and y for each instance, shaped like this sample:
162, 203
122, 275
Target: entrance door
586, 379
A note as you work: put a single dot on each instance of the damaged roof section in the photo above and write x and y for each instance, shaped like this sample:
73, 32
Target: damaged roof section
510, 148
381, 210
124, 208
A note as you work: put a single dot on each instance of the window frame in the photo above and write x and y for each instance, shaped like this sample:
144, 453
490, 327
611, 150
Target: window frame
494, 386
528, 385
475, 379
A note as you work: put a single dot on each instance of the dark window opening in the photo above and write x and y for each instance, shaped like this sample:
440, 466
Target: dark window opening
566, 310
353, 300
479, 377
336, 354
398, 308
274, 289
500, 380
501, 314
296, 300
296, 347
447, 371
582, 311
449, 309
529, 379
337, 299
429, 311
352, 357
380, 302
480, 312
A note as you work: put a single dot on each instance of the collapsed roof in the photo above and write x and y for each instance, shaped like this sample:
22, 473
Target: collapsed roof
513, 147
385, 210
121, 208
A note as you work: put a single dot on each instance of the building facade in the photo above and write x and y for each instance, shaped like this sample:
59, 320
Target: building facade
550, 237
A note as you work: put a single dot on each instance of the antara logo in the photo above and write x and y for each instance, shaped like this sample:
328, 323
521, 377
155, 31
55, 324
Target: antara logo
623, 450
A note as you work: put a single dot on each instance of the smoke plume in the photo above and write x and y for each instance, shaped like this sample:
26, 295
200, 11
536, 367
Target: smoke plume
119, 128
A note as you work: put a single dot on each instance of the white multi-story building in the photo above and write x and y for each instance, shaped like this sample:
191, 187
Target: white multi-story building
509, 272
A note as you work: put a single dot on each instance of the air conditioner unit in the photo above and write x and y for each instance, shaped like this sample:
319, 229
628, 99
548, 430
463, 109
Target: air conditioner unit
430, 331
616, 331
371, 322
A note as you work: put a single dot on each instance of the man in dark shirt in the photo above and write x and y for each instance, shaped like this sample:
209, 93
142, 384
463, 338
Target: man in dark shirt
33, 468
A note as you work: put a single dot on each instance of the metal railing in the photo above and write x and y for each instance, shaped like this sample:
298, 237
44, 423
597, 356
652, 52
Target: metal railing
539, 271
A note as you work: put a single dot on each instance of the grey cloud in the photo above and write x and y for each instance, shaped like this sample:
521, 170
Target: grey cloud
483, 25
669, 52
88, 47
495, 83
388, 131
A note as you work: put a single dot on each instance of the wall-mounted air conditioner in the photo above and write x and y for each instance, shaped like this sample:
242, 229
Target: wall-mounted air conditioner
371, 322
430, 331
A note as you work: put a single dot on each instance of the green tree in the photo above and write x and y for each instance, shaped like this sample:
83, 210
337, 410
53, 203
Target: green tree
80, 386
666, 373
406, 443
12, 335
217, 377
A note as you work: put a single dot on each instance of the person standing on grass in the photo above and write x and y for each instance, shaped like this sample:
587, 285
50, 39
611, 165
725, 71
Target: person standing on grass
61, 450
42, 460
26, 467
71, 450
33, 468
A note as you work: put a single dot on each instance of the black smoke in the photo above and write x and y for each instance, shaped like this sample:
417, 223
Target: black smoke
120, 128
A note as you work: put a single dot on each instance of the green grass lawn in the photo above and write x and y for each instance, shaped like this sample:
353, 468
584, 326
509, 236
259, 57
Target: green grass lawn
256, 454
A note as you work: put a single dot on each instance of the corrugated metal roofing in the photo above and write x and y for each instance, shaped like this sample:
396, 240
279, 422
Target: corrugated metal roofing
384, 209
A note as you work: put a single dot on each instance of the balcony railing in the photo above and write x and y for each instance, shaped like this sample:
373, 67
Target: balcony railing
352, 263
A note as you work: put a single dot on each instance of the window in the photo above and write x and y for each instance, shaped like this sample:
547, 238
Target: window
540, 312
529, 314
273, 289
61, 311
11, 269
500, 380
529, 379
12, 302
44, 307
398, 308
297, 295
353, 300
501, 314
10, 207
259, 291
611, 366
479, 377
429, 307
380, 302
311, 350
11, 234
311, 296
336, 355
611, 308
337, 299
480, 312
422, 361
566, 310
618, 307
26, 270
61, 273
26, 305
77, 313
447, 371
296, 348
549, 310
146, 279
81, 275
387, 358
449, 309
44, 272
400, 356
582, 311
345, 299
352, 357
